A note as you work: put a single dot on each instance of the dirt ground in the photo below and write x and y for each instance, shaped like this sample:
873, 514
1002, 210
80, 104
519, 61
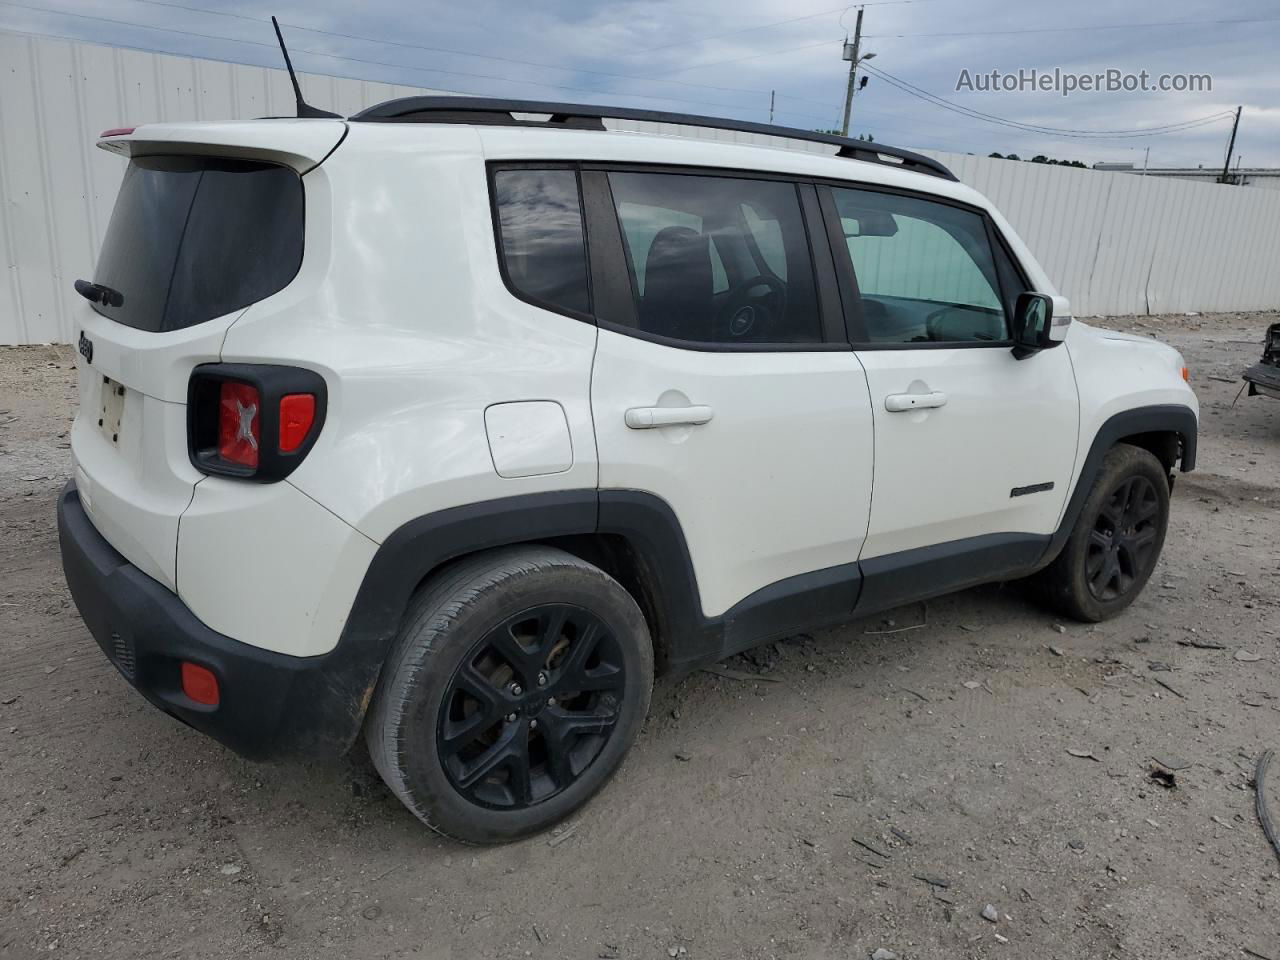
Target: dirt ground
793, 815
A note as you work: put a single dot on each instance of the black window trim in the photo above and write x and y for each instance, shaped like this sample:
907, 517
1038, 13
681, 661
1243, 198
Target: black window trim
856, 322
839, 299
612, 302
606, 245
494, 167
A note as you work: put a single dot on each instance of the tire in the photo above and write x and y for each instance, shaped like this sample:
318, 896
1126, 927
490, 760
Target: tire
461, 729
1098, 574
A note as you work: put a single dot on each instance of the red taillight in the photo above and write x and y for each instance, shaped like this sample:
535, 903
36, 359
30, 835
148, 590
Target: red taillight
199, 684
297, 413
239, 423
116, 132
253, 421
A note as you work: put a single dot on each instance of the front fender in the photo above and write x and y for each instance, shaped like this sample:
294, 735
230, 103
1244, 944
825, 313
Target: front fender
1158, 418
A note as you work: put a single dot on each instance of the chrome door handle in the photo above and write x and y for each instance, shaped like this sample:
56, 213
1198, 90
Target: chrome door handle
900, 402
646, 418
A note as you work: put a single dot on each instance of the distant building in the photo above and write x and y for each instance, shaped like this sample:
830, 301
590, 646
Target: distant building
1266, 178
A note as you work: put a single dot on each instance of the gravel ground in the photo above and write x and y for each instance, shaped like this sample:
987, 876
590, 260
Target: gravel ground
870, 789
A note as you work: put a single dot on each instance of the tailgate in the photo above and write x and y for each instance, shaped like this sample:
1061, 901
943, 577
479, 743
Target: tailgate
129, 446
209, 220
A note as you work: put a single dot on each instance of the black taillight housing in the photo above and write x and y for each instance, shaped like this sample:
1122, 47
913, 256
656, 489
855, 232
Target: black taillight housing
254, 421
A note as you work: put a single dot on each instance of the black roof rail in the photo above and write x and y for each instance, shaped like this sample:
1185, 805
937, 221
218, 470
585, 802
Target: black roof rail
485, 110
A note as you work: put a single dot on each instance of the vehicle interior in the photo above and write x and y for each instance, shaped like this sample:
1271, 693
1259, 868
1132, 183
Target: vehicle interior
926, 271
717, 260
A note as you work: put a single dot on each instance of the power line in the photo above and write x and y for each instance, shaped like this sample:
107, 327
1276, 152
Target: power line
888, 76
1098, 26
898, 82
1055, 132
937, 101
401, 66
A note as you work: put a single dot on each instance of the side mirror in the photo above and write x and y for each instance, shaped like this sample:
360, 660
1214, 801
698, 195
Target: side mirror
1032, 325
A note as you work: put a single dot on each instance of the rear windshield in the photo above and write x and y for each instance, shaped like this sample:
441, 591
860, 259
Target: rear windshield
193, 238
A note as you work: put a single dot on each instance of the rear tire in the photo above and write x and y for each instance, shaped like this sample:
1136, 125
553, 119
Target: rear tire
1116, 541
519, 680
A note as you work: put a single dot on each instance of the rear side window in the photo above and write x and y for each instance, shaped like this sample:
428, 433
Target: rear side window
543, 252
717, 259
194, 238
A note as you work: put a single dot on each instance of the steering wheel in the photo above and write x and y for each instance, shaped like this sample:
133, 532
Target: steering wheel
748, 310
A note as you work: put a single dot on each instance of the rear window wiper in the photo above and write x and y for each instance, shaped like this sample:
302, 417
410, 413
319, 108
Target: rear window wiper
99, 293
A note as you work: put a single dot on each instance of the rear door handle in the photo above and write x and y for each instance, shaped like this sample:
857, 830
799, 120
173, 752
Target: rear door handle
900, 402
646, 418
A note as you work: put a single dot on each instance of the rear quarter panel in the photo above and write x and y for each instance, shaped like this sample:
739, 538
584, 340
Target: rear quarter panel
401, 307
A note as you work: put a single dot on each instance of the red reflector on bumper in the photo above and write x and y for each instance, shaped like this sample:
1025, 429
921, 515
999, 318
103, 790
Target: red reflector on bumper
199, 684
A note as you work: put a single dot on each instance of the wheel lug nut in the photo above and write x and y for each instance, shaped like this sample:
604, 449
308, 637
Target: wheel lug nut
542, 679
551, 701
516, 689
533, 724
511, 718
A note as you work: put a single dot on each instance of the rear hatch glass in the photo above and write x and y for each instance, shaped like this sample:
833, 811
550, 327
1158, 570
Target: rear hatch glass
193, 238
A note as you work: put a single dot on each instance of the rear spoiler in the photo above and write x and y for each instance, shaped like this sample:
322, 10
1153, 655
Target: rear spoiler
301, 144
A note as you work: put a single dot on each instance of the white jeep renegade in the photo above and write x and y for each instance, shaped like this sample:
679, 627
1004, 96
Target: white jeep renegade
455, 421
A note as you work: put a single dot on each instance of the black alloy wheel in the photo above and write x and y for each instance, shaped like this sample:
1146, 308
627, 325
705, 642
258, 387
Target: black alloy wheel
531, 706
1122, 544
1115, 541
519, 680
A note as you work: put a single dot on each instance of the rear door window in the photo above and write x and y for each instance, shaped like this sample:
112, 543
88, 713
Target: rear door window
717, 260
194, 238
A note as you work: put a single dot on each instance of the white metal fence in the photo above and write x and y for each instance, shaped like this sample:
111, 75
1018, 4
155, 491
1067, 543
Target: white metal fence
1113, 242
57, 188
1116, 243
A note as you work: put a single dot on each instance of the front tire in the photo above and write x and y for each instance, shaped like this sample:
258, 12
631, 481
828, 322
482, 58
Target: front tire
518, 682
1116, 541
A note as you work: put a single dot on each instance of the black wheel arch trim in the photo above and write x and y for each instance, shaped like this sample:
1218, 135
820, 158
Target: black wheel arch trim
658, 554
1160, 418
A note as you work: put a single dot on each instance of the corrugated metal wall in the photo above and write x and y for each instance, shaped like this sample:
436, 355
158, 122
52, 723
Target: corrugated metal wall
57, 188
1113, 242
1116, 243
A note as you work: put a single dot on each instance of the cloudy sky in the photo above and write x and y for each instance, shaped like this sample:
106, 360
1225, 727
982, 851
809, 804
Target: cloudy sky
725, 56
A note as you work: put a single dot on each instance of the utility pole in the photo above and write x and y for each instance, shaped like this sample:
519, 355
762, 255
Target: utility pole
1231, 145
771, 93
851, 54
1145, 157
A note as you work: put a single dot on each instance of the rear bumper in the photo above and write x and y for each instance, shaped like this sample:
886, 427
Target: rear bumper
271, 705
1263, 378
